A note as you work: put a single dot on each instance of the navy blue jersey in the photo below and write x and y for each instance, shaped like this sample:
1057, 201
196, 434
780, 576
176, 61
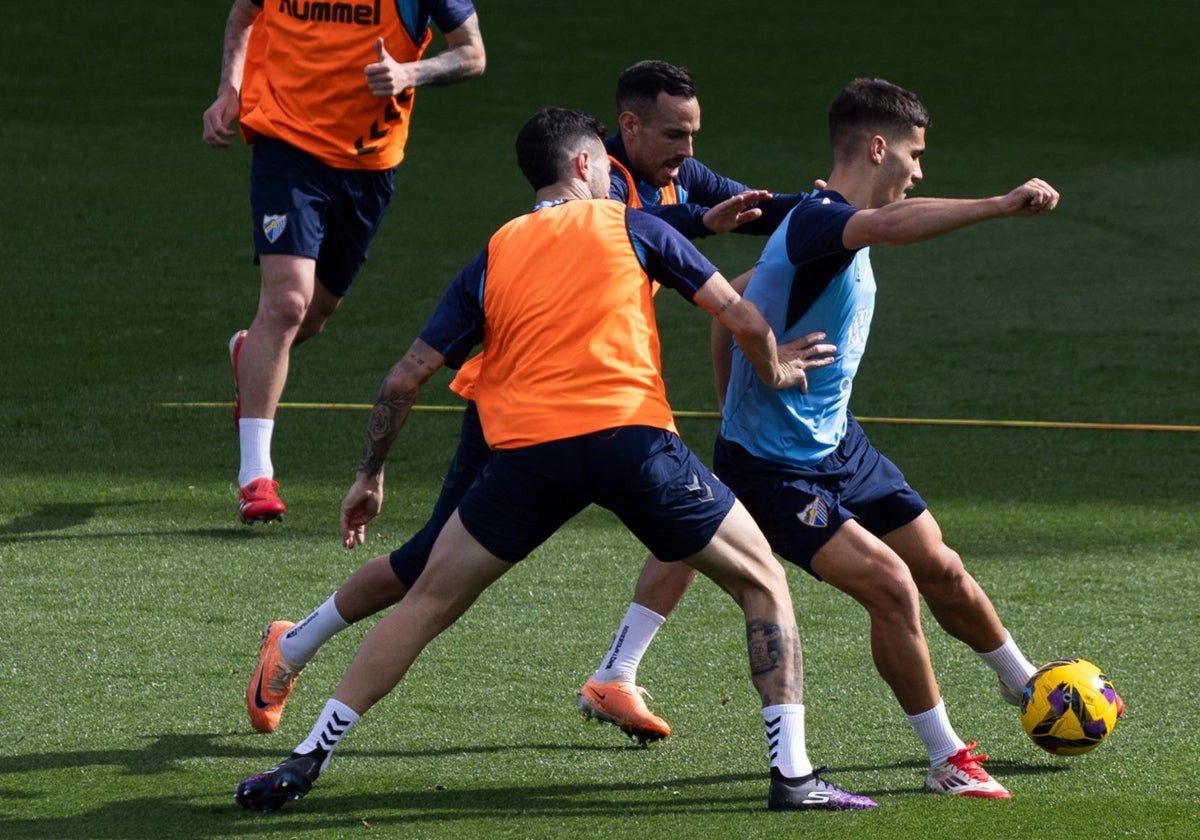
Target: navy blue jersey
697, 189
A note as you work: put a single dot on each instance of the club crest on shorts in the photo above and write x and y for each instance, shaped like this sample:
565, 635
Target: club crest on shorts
815, 514
273, 226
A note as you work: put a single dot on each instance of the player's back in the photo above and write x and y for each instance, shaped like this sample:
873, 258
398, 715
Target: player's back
570, 339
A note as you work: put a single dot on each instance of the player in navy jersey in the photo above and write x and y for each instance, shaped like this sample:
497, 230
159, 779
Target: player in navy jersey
826, 499
572, 423
653, 169
658, 113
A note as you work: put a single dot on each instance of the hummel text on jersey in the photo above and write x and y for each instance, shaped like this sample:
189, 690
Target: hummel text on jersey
362, 14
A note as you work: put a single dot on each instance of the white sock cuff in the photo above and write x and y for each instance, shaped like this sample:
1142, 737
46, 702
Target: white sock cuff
637, 610
934, 729
342, 711
1009, 663
254, 435
634, 635
300, 644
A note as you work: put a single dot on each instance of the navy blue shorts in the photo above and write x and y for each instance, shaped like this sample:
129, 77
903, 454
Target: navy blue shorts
801, 508
408, 561
648, 477
303, 207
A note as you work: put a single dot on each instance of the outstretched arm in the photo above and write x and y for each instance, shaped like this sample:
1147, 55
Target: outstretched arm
735, 211
918, 219
392, 406
463, 58
218, 119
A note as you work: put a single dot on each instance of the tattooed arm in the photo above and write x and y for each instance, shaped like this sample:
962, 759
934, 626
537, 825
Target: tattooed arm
463, 58
396, 397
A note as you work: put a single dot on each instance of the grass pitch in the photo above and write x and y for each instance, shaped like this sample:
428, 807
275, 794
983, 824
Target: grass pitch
133, 600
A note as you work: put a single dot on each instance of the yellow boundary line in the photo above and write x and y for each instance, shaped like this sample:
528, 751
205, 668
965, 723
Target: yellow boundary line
712, 415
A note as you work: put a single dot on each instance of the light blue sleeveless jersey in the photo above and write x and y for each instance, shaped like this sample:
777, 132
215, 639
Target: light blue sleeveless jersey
804, 282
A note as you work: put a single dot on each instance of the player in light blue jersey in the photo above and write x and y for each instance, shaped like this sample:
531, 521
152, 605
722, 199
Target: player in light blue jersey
806, 281
825, 498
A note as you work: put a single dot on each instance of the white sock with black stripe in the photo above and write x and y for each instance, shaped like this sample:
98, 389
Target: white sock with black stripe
333, 724
785, 739
300, 644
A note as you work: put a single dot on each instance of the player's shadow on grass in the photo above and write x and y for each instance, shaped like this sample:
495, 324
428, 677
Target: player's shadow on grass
186, 810
49, 519
48, 522
169, 753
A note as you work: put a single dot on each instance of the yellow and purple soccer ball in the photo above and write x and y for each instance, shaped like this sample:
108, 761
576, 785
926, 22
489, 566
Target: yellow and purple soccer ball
1069, 707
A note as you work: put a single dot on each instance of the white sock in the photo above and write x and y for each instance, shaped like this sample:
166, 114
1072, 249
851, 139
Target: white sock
936, 733
333, 724
1009, 663
785, 739
633, 638
255, 436
301, 643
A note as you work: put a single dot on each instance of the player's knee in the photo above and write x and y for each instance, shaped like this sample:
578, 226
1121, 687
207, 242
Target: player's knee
769, 574
761, 587
944, 577
890, 594
282, 312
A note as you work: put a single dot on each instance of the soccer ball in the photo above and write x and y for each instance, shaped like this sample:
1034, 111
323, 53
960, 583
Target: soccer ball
1068, 707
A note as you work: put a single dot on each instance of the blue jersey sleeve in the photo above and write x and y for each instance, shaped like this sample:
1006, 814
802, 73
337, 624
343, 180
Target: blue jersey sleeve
456, 325
700, 185
814, 231
688, 219
814, 249
702, 189
666, 255
774, 211
447, 15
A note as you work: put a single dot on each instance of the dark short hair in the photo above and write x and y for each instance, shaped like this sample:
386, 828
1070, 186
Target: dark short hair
639, 85
548, 138
876, 106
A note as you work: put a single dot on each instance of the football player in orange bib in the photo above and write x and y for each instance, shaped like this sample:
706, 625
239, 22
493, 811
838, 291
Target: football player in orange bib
324, 92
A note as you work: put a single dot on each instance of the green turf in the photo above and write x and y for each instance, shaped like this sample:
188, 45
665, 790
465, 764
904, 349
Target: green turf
132, 601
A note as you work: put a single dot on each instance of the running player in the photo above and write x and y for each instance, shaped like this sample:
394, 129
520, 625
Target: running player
326, 100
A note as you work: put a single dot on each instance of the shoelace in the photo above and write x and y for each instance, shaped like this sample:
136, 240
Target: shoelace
282, 676
970, 764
